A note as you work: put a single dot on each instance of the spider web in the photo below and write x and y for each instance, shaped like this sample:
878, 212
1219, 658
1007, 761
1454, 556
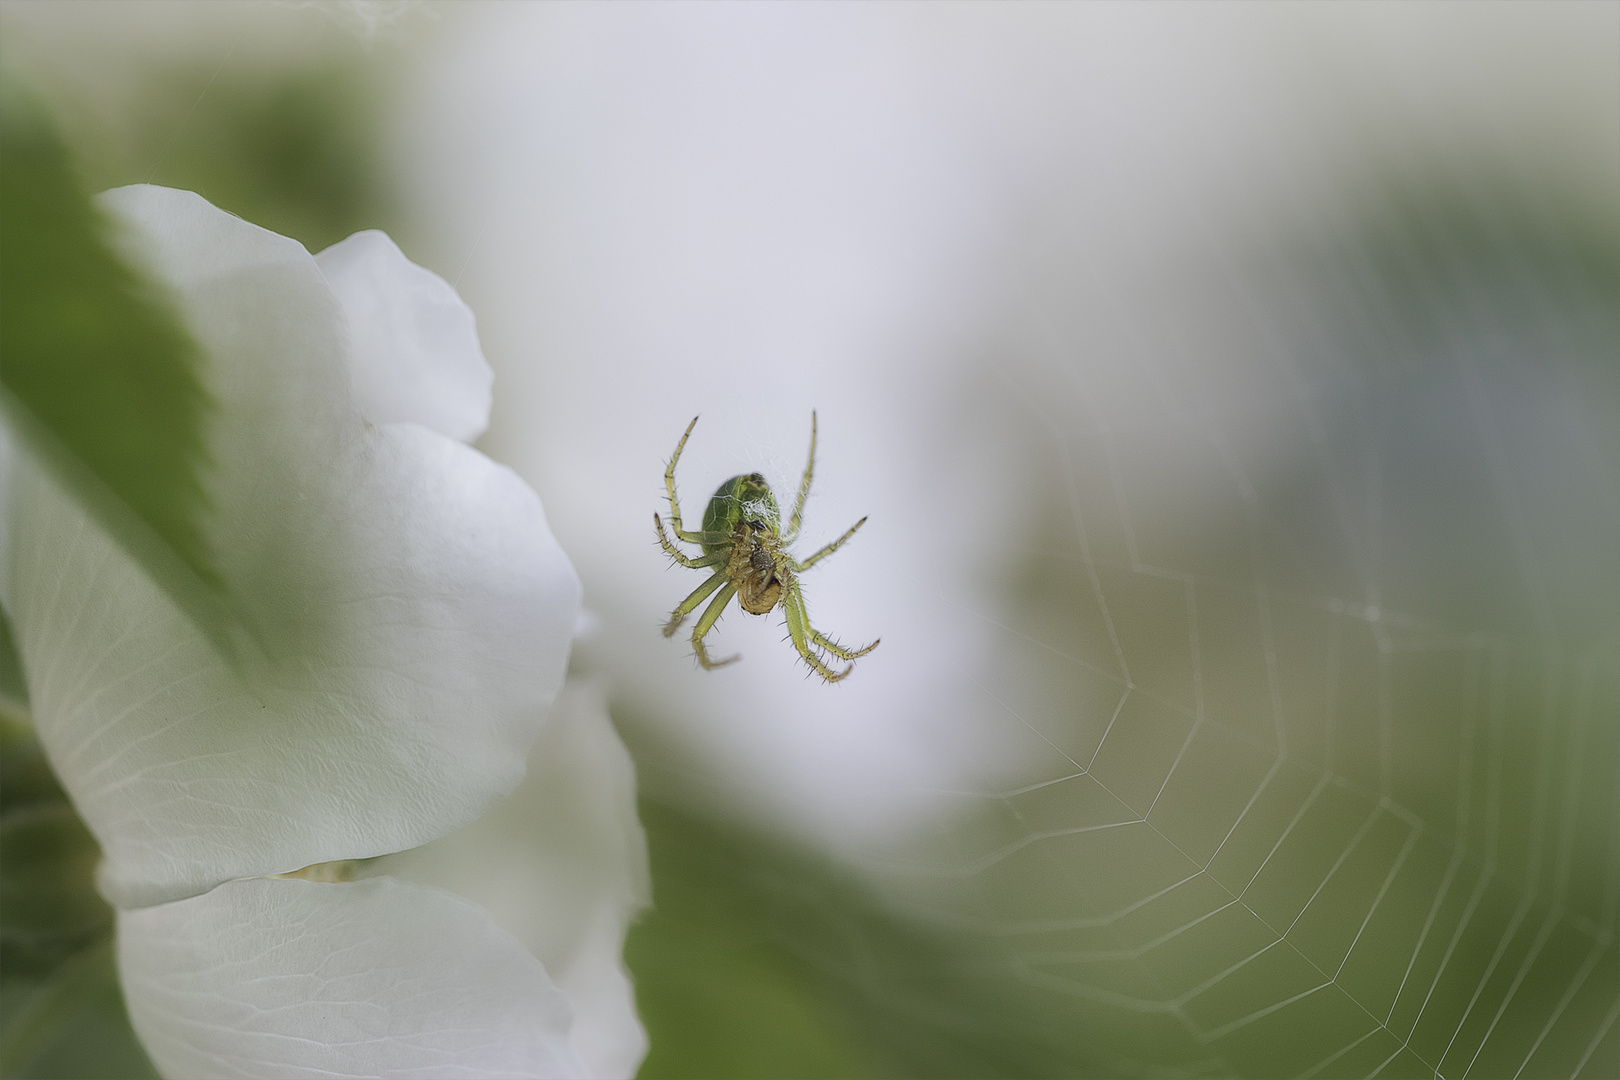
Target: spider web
1322, 742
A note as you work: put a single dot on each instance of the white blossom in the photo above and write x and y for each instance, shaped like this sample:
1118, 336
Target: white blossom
387, 631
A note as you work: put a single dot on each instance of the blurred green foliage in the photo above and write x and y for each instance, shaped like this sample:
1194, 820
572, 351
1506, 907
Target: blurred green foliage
292, 151
93, 363
762, 960
97, 370
90, 350
61, 1010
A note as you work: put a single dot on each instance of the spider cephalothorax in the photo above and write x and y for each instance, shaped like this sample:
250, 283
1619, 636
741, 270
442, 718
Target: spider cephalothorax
742, 539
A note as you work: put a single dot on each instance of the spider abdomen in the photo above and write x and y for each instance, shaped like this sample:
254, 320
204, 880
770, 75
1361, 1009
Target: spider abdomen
757, 572
742, 500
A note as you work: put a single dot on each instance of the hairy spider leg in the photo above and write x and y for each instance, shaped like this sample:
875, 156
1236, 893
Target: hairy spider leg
669, 485
687, 606
836, 649
826, 642
681, 557
711, 615
798, 624
829, 549
804, 487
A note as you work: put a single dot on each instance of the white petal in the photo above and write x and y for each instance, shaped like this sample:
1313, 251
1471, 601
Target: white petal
414, 353
287, 978
399, 614
562, 864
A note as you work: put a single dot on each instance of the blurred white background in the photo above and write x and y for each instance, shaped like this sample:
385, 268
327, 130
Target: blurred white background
923, 222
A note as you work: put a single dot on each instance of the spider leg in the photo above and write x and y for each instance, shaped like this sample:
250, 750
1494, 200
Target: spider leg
669, 486
804, 486
680, 556
687, 606
829, 549
711, 615
836, 649
798, 624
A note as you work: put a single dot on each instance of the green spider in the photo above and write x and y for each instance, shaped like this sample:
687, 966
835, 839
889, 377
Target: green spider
742, 539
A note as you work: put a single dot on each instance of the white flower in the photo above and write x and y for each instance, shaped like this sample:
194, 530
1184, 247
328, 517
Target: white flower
389, 629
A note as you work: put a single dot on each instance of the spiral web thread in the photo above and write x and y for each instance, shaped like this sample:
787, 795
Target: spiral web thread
1328, 761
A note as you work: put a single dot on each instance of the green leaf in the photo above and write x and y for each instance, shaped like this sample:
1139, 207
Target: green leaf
91, 352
